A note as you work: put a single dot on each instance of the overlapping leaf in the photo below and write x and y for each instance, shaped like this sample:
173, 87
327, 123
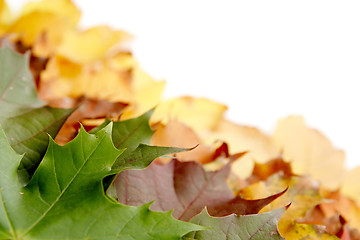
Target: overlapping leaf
255, 227
185, 137
134, 135
106, 74
303, 194
17, 89
42, 25
65, 198
312, 154
185, 187
24, 118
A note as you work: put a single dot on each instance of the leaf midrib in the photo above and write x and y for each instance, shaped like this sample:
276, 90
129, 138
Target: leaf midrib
7, 214
200, 192
64, 190
271, 217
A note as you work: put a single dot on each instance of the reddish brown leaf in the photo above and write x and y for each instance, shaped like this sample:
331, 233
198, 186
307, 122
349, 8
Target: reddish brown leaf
242, 206
185, 187
223, 150
262, 171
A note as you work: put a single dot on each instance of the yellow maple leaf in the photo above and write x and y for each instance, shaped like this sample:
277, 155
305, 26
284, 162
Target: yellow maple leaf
310, 152
200, 114
62, 8
5, 17
240, 138
351, 186
91, 45
146, 94
43, 24
303, 195
98, 80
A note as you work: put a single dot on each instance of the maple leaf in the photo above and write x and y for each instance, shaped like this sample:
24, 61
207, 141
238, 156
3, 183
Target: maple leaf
17, 89
200, 114
350, 185
42, 25
64, 77
134, 135
303, 194
339, 204
89, 112
256, 227
116, 79
186, 188
310, 152
24, 118
257, 144
90, 45
335, 224
5, 17
146, 93
65, 197
201, 120
74, 65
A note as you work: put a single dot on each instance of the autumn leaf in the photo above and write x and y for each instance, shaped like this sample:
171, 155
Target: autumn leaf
334, 223
90, 45
65, 78
339, 204
310, 152
65, 198
89, 112
350, 185
93, 70
5, 17
258, 145
77, 63
303, 194
147, 93
200, 114
185, 187
117, 78
42, 25
257, 227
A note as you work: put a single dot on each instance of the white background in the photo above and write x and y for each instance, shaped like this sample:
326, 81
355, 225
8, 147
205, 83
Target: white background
264, 59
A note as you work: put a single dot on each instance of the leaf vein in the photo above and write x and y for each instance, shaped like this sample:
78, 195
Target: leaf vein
64, 190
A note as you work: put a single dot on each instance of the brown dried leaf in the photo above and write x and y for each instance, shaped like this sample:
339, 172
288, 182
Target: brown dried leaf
263, 171
185, 187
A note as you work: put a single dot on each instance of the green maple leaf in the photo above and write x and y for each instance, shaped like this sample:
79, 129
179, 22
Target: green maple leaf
65, 198
23, 116
134, 135
232, 227
17, 88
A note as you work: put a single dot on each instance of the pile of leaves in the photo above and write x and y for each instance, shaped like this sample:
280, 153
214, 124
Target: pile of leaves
85, 154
